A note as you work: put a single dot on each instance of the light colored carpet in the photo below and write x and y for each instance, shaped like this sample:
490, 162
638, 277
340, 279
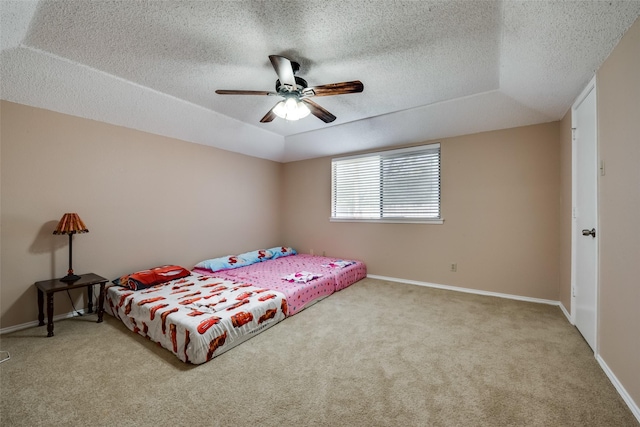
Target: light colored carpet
375, 354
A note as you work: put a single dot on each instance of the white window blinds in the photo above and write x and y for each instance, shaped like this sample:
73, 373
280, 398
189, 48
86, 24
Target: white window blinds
395, 185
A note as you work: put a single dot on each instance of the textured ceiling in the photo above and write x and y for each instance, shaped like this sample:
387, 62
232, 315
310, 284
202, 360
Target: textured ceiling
430, 69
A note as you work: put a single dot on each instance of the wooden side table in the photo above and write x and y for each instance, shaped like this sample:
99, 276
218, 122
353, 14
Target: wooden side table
50, 287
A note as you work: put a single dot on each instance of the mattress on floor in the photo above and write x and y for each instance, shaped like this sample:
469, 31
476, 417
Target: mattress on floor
197, 317
335, 274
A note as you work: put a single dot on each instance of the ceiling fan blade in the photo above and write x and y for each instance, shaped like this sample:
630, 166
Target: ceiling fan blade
269, 116
355, 86
284, 70
318, 111
244, 92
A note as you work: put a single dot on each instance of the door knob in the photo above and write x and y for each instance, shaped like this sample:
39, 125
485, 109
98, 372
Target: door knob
591, 232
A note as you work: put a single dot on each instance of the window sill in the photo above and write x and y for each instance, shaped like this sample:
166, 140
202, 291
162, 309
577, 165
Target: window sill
391, 221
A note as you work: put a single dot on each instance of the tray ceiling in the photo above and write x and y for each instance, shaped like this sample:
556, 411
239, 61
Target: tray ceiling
431, 69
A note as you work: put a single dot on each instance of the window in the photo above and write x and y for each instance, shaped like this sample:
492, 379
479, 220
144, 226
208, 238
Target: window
389, 186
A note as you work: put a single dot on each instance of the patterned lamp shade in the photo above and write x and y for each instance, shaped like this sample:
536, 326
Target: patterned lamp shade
70, 223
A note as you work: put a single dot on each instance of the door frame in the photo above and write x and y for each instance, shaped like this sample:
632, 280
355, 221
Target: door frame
575, 233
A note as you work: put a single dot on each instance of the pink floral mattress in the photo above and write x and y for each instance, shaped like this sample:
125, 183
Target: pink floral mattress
197, 317
335, 275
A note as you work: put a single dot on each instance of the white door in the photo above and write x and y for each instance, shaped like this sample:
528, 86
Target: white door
585, 292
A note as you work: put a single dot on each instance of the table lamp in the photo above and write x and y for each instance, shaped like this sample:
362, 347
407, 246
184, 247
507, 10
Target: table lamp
70, 224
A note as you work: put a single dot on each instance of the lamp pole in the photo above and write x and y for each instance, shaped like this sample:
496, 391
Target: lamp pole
70, 277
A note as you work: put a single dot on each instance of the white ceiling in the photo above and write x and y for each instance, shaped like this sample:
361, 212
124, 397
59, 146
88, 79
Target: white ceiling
430, 69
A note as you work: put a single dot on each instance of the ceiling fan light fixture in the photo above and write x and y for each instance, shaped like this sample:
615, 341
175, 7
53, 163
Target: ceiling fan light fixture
291, 109
280, 110
296, 104
303, 110
291, 105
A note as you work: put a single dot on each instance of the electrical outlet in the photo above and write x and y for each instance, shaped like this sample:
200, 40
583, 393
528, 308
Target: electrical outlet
311, 251
323, 253
454, 267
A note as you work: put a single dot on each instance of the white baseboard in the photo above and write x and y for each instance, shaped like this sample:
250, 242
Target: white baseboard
619, 387
35, 322
566, 313
467, 290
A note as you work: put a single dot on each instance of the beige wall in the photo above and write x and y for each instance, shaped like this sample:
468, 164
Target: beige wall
618, 100
146, 199
500, 203
506, 204
566, 207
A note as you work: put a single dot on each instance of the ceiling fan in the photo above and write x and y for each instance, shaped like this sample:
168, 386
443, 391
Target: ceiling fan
296, 93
